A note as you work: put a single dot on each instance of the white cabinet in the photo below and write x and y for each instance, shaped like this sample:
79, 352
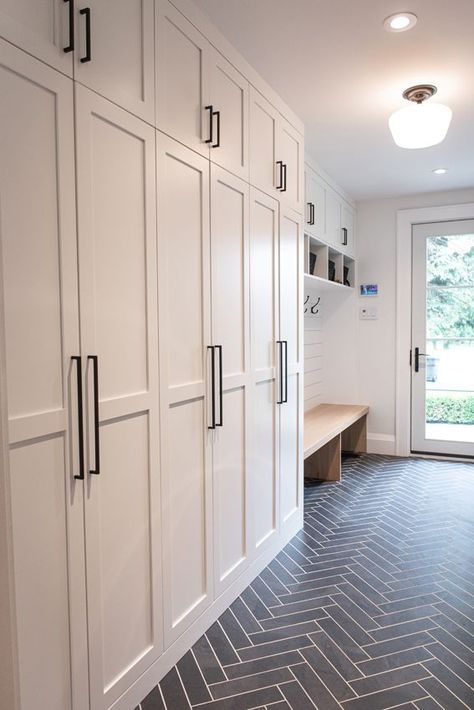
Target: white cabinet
114, 53
263, 143
290, 411
38, 246
333, 218
182, 79
44, 29
231, 335
347, 229
290, 151
185, 336
315, 205
228, 116
117, 286
264, 310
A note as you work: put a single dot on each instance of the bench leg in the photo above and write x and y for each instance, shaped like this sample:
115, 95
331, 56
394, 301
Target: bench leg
354, 438
325, 464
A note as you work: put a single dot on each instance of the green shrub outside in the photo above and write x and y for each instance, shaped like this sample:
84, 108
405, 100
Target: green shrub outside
450, 410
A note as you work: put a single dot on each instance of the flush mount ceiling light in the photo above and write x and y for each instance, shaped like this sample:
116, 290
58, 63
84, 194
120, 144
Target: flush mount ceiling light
440, 171
422, 124
401, 22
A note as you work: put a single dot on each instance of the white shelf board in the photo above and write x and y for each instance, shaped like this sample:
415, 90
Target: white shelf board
316, 282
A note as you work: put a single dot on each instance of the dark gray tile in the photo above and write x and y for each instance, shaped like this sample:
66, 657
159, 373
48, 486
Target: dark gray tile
403, 629
192, 679
313, 603
336, 656
399, 617
453, 662
294, 618
273, 647
354, 652
153, 701
173, 691
441, 694
401, 643
256, 606
389, 679
267, 663
207, 661
457, 686
250, 682
283, 633
347, 623
395, 660
233, 629
327, 673
265, 696
221, 645
244, 616
314, 688
264, 593
410, 603
296, 697
386, 698
453, 645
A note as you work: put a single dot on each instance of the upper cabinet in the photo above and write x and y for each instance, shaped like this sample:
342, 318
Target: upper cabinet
44, 29
328, 216
117, 64
276, 153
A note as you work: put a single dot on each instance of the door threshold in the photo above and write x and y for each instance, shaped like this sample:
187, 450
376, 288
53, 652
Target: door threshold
441, 457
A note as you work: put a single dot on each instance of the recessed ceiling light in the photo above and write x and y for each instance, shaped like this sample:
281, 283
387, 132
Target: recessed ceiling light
400, 22
440, 171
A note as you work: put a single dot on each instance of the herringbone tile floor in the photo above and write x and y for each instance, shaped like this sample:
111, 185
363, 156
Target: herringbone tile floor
370, 607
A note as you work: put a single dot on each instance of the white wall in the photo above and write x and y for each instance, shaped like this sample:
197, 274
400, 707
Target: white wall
313, 352
376, 255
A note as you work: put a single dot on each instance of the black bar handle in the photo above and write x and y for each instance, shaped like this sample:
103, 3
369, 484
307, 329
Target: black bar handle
284, 169
310, 213
280, 174
217, 144
313, 220
213, 387
95, 363
221, 388
80, 417
87, 12
70, 47
417, 359
280, 370
211, 126
285, 398
344, 236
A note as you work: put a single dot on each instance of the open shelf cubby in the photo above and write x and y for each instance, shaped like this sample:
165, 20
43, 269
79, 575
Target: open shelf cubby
326, 267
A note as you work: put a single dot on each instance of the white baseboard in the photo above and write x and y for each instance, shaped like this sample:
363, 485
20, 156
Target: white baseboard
152, 676
381, 444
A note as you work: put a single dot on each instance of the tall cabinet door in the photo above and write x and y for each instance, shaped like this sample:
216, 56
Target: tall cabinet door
41, 29
291, 409
117, 276
185, 336
182, 79
230, 332
39, 264
119, 61
229, 92
264, 314
263, 134
290, 151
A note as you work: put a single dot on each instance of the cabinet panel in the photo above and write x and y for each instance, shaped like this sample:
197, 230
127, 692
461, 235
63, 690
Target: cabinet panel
230, 490
122, 59
229, 97
290, 452
185, 332
39, 28
291, 248
315, 193
182, 79
39, 251
290, 151
117, 273
333, 219
347, 222
264, 464
263, 135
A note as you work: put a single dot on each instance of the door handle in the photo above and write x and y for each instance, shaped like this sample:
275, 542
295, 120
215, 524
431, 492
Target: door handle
70, 47
221, 388
417, 359
311, 213
80, 417
217, 114
211, 126
280, 175
212, 425
285, 398
280, 371
344, 236
95, 364
284, 170
86, 11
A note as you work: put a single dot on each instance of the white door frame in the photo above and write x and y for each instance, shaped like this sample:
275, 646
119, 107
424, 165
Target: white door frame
405, 221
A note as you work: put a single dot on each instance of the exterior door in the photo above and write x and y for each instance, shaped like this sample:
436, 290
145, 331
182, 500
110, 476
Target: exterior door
442, 351
185, 336
229, 98
264, 328
39, 264
263, 132
120, 63
291, 361
182, 79
40, 28
117, 269
230, 333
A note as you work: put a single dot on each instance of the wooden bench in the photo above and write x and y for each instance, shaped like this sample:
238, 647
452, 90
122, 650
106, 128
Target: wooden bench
330, 429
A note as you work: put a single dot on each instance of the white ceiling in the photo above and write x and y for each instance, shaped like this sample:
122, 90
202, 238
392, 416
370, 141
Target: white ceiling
343, 74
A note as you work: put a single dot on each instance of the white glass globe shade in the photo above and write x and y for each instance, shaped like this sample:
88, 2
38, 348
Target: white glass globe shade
420, 125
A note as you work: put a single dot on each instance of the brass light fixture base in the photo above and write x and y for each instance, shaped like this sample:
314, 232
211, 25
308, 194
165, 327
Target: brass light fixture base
420, 93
